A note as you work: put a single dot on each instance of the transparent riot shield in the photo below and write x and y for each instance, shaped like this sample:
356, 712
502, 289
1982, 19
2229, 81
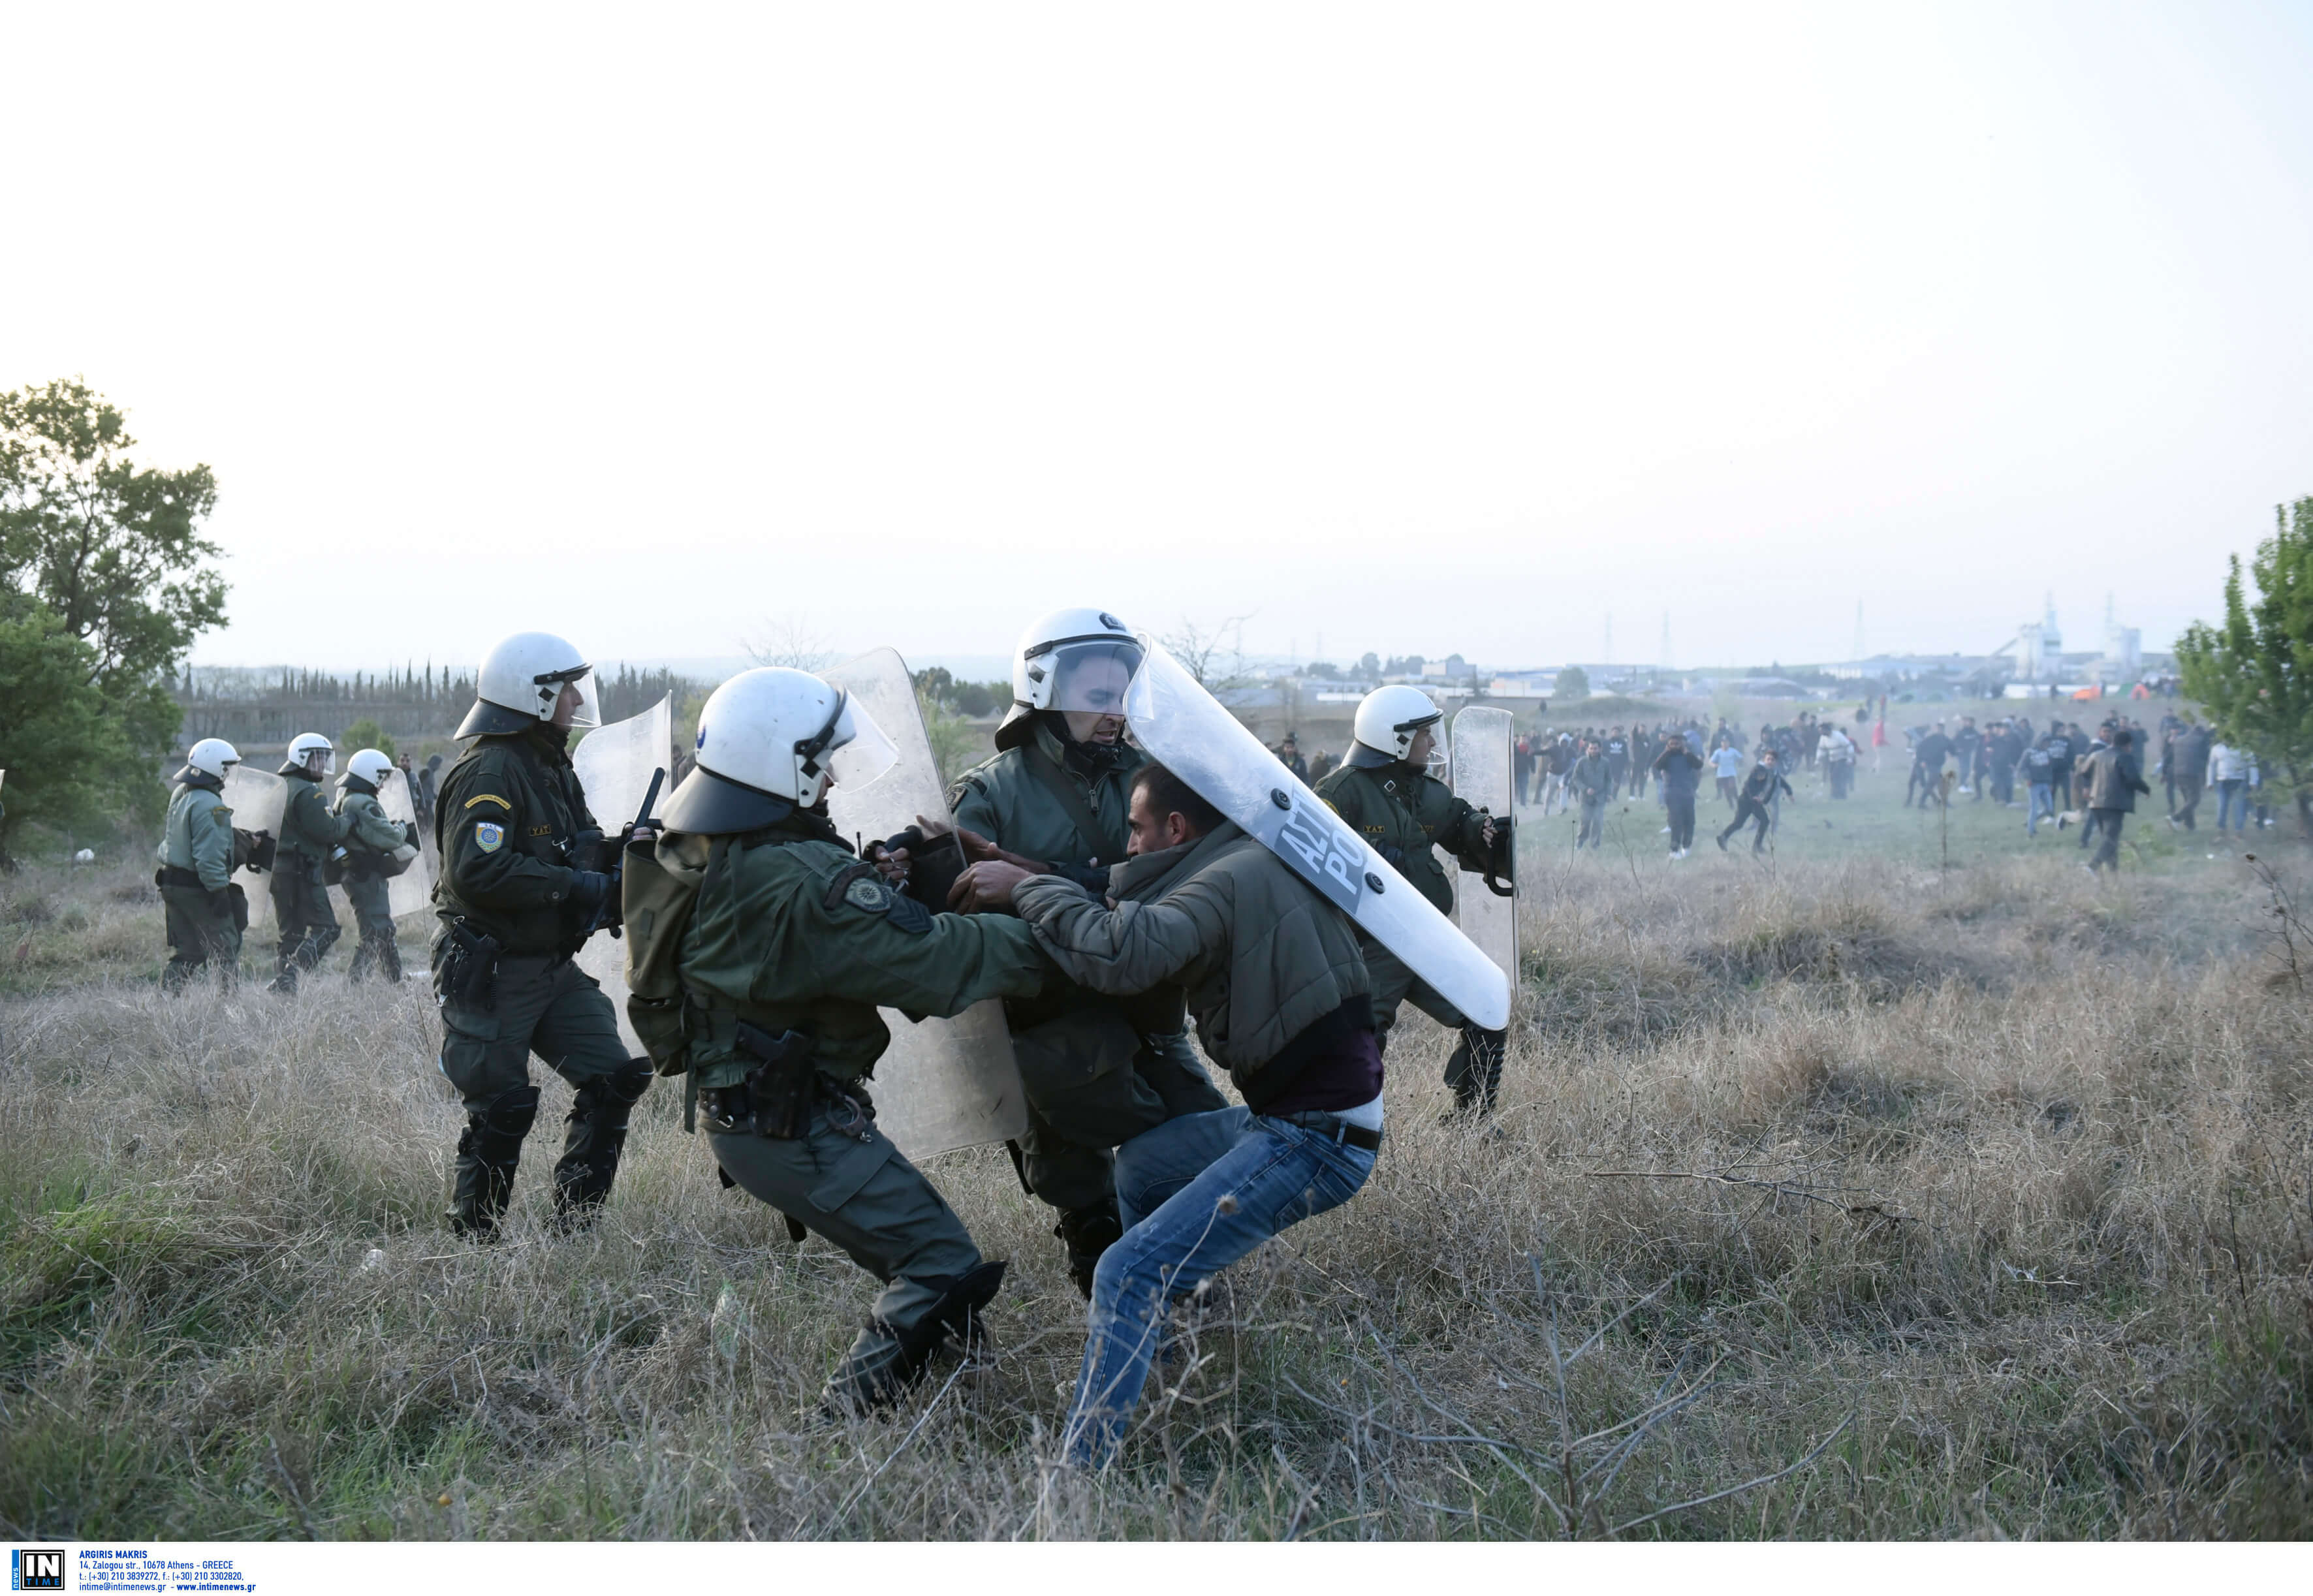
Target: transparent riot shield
257, 798
614, 764
413, 889
1185, 728
943, 1083
1484, 778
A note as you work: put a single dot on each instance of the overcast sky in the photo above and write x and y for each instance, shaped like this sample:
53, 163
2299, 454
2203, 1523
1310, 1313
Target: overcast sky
1405, 328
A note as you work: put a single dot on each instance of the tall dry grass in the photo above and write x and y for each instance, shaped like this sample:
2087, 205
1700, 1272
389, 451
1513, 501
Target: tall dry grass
2002, 1181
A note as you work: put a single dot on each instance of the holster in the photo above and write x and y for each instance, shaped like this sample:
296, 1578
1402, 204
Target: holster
775, 1100
471, 973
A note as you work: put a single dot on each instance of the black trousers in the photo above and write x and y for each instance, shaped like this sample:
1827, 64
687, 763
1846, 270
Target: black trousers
1747, 810
2108, 851
1681, 819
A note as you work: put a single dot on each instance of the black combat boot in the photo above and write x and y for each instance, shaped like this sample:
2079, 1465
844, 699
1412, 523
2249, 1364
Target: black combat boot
380, 950
590, 1147
1474, 1072
487, 1153
1087, 1233
885, 1359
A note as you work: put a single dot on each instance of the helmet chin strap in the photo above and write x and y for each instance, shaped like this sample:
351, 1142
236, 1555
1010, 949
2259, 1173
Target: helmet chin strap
1091, 755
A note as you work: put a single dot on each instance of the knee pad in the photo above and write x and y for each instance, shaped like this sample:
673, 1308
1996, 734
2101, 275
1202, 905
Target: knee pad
628, 1084
509, 1114
961, 1300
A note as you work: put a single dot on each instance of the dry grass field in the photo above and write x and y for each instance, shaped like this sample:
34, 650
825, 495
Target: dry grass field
1949, 1202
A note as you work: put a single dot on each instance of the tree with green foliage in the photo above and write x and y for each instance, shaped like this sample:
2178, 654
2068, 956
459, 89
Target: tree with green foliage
2254, 674
106, 580
1573, 685
64, 757
365, 733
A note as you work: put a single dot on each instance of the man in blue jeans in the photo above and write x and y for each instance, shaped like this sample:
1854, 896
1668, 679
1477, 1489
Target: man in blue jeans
1281, 998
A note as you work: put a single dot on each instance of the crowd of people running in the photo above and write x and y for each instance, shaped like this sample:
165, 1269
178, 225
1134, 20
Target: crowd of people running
2061, 774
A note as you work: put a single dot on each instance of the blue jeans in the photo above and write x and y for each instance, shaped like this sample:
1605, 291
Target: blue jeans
2232, 799
1264, 1175
2043, 802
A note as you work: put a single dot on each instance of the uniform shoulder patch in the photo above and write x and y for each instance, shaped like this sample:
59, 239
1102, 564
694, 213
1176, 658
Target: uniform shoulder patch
839, 888
490, 798
488, 836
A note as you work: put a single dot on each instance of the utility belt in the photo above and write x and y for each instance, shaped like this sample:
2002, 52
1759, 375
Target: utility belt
1334, 1129
776, 1099
177, 876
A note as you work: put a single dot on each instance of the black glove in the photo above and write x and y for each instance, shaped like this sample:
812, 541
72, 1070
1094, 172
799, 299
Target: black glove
588, 888
221, 899
410, 832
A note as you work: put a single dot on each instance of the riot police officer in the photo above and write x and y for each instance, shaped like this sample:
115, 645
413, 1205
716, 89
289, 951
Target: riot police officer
375, 849
526, 878
206, 907
1096, 1070
760, 949
310, 835
1384, 790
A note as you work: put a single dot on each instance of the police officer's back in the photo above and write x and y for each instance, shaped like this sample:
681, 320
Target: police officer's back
206, 909
375, 849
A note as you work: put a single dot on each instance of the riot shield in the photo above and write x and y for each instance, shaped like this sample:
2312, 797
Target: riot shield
257, 798
1482, 779
413, 889
614, 764
1184, 728
943, 1083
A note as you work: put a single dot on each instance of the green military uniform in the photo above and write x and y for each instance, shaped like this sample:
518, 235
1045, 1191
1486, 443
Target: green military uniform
513, 828
791, 935
1098, 1071
310, 834
1407, 815
370, 838
206, 909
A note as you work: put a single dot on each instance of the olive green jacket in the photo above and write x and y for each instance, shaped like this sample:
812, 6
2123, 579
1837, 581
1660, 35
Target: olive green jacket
198, 835
507, 818
792, 932
369, 830
309, 829
1407, 814
1261, 955
1008, 803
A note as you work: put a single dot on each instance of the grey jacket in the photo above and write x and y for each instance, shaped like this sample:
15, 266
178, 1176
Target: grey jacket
1260, 955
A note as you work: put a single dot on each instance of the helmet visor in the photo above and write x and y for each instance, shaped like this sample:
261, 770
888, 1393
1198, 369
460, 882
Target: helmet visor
859, 751
1089, 677
579, 679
